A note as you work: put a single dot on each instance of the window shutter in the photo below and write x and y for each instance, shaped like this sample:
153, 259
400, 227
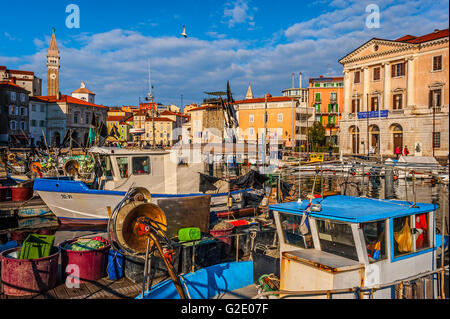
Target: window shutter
353, 106
430, 99
404, 68
392, 70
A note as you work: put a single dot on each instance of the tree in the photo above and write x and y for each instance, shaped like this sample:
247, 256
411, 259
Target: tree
317, 134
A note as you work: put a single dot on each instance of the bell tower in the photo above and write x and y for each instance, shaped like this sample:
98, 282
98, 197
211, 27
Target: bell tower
53, 67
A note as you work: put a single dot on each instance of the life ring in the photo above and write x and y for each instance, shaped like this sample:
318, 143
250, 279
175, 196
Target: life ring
36, 168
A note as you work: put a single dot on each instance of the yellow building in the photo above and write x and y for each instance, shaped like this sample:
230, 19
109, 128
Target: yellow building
396, 94
281, 119
163, 131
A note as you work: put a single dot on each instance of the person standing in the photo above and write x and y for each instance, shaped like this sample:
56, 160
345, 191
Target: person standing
406, 151
397, 152
330, 151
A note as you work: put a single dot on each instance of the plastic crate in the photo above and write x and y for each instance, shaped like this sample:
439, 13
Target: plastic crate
37, 246
189, 234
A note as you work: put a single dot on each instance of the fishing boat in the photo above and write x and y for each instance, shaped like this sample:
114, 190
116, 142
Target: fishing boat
157, 172
422, 166
333, 247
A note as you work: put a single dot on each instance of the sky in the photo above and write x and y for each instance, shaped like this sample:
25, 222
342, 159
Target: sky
257, 42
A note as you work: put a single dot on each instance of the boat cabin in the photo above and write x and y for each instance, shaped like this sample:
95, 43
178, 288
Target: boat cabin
341, 242
156, 170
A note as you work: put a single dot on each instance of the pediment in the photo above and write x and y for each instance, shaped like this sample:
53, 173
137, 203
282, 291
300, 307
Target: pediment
374, 48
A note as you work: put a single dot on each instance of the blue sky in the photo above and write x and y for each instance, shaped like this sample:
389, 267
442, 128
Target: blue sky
244, 41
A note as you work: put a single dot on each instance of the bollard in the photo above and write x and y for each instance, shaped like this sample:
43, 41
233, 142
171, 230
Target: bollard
388, 183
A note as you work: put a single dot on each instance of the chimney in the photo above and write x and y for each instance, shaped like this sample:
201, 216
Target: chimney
436, 30
293, 78
300, 81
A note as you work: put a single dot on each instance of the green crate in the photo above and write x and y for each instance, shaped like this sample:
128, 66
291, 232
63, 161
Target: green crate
188, 234
37, 246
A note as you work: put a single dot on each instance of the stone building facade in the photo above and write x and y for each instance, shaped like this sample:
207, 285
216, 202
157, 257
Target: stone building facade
14, 116
24, 79
396, 94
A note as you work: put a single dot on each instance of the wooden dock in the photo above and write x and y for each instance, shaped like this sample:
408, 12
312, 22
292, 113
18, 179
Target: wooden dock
101, 289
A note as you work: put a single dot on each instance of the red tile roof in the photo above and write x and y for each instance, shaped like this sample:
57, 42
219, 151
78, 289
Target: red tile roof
114, 118
425, 38
83, 90
68, 99
160, 119
269, 99
167, 112
14, 85
204, 108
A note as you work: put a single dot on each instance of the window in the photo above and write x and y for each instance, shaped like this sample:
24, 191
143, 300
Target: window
23, 111
41, 123
317, 97
356, 103
13, 96
437, 63
376, 73
13, 125
398, 103
280, 117
75, 118
295, 232
411, 234
375, 239
23, 125
33, 107
333, 96
33, 123
356, 78
11, 110
251, 131
88, 118
42, 108
122, 162
141, 165
374, 103
436, 139
22, 97
251, 118
435, 98
106, 166
337, 238
398, 69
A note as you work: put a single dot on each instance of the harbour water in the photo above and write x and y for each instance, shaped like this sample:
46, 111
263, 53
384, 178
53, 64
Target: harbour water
420, 190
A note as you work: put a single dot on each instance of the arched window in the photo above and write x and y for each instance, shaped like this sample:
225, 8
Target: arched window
354, 133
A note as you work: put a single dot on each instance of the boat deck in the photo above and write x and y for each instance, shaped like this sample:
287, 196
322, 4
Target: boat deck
101, 289
243, 293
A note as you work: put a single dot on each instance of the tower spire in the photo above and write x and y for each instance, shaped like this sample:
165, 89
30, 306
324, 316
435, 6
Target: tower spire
249, 94
53, 67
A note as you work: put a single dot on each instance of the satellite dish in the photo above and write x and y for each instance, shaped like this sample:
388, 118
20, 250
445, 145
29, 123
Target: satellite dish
184, 32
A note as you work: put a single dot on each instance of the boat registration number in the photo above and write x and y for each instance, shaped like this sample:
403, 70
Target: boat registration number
65, 196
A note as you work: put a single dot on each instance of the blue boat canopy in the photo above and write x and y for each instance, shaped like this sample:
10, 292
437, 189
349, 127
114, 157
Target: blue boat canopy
356, 209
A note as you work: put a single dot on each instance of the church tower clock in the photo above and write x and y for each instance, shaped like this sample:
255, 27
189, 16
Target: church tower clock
53, 67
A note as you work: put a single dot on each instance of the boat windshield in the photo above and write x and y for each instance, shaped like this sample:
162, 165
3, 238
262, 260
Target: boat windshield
337, 238
375, 239
106, 166
294, 231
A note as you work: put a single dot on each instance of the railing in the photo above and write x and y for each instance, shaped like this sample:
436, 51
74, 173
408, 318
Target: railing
360, 292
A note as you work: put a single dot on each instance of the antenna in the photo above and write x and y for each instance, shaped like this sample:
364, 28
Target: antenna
149, 80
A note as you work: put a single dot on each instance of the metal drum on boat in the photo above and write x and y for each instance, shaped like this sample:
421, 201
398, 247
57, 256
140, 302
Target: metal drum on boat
24, 277
91, 264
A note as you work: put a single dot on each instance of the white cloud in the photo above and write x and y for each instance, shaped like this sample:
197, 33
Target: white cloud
114, 63
238, 12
